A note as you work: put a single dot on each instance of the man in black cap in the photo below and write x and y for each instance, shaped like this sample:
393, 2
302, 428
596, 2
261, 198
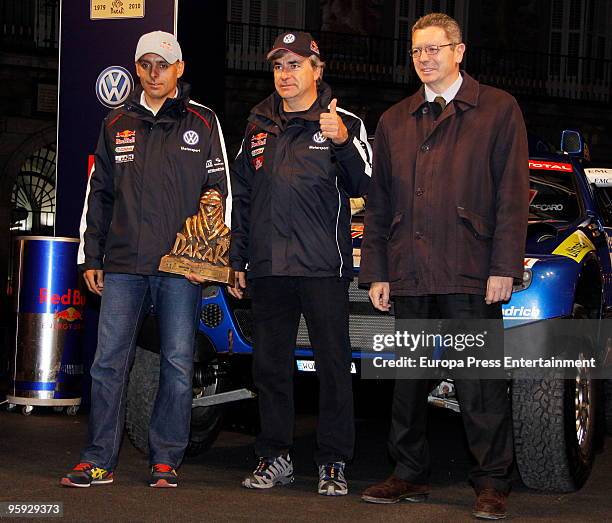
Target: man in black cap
155, 156
301, 159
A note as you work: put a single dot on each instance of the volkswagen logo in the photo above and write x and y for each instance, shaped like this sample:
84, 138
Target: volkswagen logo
289, 39
318, 137
113, 86
191, 137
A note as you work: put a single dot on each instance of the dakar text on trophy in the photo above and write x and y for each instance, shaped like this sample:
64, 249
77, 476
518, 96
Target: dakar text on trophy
202, 247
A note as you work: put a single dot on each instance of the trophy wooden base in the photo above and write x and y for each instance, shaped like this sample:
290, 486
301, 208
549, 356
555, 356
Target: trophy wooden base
183, 265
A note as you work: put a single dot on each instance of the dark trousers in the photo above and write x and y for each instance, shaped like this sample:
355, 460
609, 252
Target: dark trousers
485, 404
277, 303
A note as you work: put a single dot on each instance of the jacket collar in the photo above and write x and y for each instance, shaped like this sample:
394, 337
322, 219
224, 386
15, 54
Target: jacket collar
467, 95
267, 113
171, 105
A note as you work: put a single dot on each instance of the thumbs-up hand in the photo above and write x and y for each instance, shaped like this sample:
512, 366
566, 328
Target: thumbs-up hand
332, 126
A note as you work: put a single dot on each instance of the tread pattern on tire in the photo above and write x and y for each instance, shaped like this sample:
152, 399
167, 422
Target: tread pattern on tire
539, 434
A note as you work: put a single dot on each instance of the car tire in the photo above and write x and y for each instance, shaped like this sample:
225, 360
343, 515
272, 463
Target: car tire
549, 453
141, 393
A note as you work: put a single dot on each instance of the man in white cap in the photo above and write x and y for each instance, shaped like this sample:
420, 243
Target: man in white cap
155, 156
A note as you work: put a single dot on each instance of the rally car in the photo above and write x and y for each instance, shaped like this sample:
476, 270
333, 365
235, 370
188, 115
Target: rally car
567, 274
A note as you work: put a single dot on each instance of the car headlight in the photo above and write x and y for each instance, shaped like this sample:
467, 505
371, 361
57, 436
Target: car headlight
525, 283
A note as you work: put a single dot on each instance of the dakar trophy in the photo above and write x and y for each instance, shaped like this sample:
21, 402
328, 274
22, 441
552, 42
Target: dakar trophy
202, 246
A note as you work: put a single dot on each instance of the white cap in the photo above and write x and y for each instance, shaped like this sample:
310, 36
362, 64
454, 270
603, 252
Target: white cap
158, 42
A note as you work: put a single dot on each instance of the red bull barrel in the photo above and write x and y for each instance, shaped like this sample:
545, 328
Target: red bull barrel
46, 364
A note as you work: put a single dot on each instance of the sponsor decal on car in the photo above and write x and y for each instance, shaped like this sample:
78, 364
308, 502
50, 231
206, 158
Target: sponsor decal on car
576, 246
521, 313
528, 263
551, 166
599, 177
548, 206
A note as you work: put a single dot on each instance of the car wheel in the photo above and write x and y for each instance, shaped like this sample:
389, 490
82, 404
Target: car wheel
554, 422
141, 393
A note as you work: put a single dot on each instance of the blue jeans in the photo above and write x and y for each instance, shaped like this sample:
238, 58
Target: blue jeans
125, 301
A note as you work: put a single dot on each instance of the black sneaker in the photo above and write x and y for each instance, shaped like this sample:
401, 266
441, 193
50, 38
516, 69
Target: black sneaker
331, 479
86, 474
270, 472
163, 476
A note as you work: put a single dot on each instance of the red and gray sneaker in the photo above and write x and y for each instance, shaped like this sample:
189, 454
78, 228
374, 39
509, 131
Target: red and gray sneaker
163, 476
86, 474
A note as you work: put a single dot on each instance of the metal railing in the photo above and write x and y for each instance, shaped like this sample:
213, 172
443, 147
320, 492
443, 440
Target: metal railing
386, 60
29, 25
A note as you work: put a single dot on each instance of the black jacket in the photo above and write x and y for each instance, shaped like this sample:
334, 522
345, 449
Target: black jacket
291, 214
148, 175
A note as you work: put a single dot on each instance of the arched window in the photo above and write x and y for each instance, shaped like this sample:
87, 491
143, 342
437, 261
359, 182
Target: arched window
33, 196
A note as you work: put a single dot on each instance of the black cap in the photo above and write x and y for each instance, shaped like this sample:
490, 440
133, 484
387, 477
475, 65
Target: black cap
296, 42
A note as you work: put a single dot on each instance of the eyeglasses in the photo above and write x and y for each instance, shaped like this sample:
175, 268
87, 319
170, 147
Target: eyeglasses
430, 50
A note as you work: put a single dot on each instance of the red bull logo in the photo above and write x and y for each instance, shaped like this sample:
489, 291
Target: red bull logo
72, 297
126, 134
70, 314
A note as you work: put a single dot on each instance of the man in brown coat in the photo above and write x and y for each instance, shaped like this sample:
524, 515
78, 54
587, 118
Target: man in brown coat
445, 231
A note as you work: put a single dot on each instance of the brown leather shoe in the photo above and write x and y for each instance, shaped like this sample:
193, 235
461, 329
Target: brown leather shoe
394, 489
490, 504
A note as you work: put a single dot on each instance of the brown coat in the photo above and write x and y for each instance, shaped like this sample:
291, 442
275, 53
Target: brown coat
448, 202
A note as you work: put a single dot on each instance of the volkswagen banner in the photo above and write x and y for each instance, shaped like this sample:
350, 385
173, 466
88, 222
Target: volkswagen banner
96, 74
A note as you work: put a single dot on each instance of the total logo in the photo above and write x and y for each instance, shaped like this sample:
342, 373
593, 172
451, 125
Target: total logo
191, 137
521, 313
551, 166
113, 86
